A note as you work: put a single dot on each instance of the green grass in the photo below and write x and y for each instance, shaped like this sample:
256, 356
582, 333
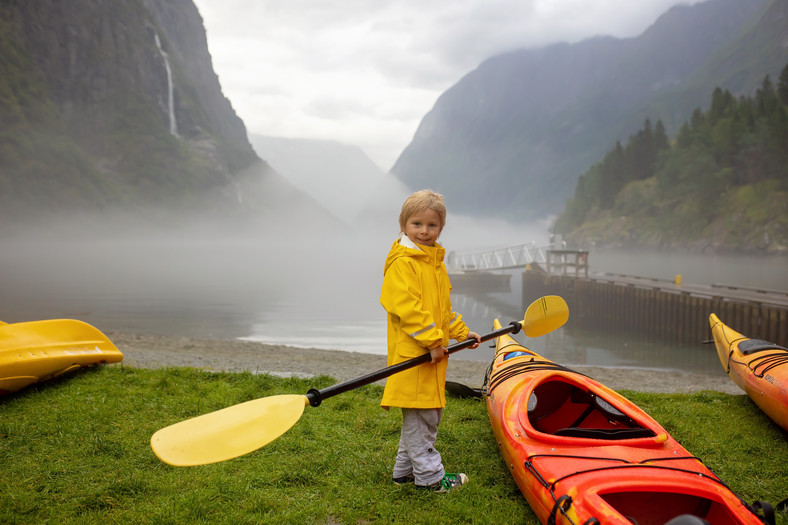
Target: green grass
76, 450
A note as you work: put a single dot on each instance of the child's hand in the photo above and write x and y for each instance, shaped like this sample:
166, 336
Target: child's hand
474, 335
437, 353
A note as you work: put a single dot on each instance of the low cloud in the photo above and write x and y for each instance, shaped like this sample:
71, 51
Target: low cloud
365, 72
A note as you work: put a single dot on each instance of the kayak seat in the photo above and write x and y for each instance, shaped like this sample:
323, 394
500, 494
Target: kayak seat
564, 409
599, 404
605, 433
751, 346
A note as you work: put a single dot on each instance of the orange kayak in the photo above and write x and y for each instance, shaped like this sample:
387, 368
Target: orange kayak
583, 454
39, 350
760, 368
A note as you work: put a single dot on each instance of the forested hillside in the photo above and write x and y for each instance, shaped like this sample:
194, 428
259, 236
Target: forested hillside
721, 183
511, 137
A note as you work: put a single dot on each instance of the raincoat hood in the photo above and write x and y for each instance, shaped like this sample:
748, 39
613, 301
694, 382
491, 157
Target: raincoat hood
404, 247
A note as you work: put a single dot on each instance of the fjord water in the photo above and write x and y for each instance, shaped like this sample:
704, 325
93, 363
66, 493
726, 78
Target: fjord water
319, 292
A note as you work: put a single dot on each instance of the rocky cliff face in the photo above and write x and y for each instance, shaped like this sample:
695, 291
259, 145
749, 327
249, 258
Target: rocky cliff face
183, 26
518, 131
114, 103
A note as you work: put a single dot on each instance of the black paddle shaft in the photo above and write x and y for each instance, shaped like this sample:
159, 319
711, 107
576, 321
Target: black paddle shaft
317, 396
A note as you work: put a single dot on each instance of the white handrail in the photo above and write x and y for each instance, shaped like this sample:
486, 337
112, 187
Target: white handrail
518, 256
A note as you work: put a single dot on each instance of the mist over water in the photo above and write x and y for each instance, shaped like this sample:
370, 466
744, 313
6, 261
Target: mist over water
312, 287
746, 270
296, 283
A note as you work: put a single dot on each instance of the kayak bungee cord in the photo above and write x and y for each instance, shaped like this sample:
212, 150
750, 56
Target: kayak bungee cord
564, 502
768, 362
627, 465
519, 368
523, 368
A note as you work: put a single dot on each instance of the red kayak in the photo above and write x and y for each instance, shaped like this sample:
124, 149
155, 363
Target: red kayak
583, 454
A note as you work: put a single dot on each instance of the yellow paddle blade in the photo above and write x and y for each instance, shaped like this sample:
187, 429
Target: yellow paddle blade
228, 433
544, 315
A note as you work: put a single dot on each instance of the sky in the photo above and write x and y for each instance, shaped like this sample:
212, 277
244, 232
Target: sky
365, 72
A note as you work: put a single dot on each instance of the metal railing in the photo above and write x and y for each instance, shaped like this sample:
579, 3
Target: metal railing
518, 256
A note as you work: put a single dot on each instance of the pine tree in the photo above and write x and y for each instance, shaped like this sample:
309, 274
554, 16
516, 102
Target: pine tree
782, 86
736, 142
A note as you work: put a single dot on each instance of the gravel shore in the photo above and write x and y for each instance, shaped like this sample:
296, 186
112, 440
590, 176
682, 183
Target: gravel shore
154, 351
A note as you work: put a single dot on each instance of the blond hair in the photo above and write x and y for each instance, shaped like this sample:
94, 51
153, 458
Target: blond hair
422, 200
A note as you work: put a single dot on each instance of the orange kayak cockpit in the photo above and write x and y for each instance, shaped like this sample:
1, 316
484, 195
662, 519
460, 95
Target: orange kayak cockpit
561, 408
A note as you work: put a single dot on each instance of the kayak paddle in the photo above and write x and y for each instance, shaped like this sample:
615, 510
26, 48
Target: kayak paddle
246, 427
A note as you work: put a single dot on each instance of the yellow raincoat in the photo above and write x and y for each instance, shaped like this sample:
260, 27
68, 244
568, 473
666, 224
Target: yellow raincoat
416, 295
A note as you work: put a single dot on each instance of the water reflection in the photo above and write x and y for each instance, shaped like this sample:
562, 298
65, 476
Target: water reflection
572, 346
321, 294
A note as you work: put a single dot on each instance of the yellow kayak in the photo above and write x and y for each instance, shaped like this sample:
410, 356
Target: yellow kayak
39, 350
759, 367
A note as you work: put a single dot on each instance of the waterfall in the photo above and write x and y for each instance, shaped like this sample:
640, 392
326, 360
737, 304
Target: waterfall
238, 193
170, 98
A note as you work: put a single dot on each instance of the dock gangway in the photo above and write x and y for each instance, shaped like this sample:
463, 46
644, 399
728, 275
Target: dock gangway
512, 257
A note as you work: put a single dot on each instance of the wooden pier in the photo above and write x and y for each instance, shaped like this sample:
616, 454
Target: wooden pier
663, 308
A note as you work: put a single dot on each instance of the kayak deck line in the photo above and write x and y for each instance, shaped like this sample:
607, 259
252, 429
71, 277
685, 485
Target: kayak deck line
566, 501
529, 465
582, 453
748, 347
767, 361
524, 368
761, 364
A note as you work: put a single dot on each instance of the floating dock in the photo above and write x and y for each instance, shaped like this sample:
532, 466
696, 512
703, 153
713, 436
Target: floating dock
663, 308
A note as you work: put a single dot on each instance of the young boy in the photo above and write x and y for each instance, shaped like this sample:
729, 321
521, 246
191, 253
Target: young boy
415, 294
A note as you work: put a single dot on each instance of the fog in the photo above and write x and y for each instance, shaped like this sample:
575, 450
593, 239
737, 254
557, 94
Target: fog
208, 279
756, 270
297, 279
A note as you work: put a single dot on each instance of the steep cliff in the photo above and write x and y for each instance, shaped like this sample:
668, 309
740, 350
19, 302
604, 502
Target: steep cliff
111, 104
512, 136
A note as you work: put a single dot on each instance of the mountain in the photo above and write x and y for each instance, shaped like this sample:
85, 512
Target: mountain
338, 176
720, 186
111, 105
518, 130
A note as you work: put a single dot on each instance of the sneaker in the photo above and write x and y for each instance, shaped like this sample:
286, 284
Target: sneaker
449, 481
403, 480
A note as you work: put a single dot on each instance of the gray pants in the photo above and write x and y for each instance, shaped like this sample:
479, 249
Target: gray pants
417, 456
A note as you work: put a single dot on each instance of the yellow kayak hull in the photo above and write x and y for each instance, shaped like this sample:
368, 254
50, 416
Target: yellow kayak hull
760, 368
36, 351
